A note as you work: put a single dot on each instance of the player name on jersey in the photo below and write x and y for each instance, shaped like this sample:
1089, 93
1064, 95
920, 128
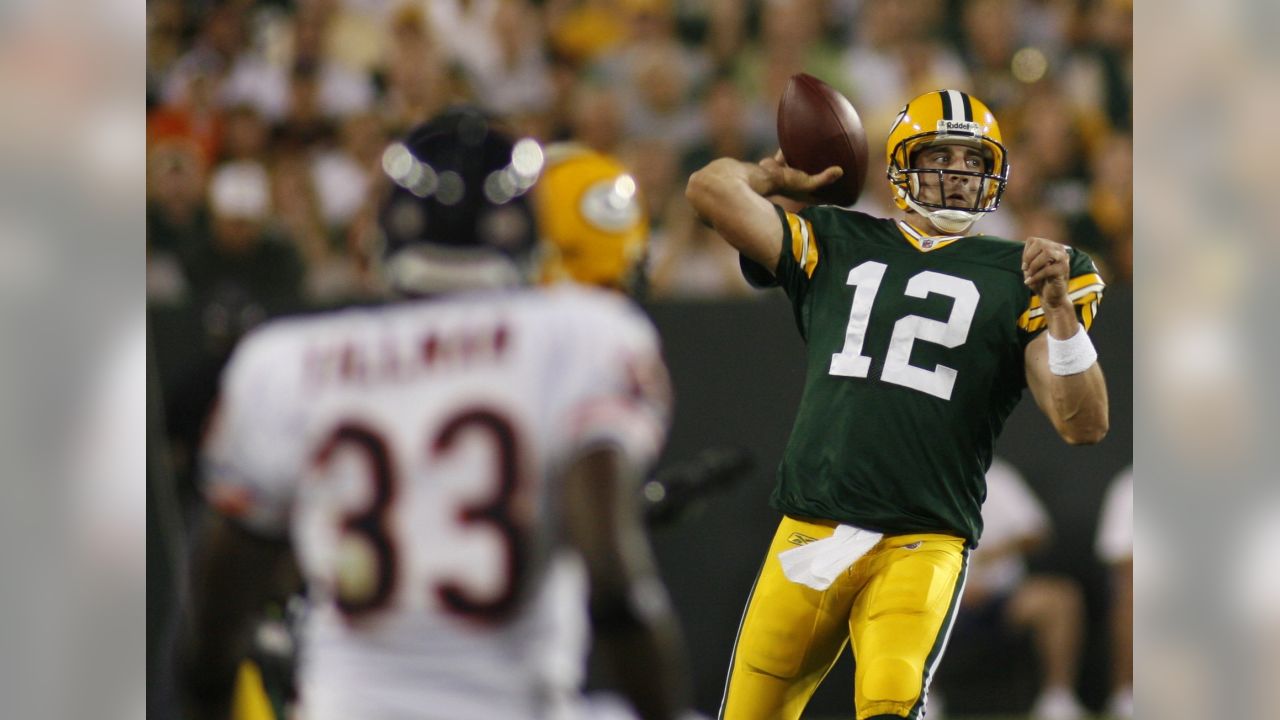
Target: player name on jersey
391, 360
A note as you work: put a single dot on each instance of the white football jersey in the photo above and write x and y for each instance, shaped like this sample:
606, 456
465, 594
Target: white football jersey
410, 452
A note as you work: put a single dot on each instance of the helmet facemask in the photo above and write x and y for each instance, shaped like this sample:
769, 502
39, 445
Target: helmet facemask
947, 215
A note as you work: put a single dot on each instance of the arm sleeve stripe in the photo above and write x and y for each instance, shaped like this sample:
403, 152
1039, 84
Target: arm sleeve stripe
804, 250
804, 247
1084, 297
811, 248
1078, 288
793, 222
1080, 281
1079, 297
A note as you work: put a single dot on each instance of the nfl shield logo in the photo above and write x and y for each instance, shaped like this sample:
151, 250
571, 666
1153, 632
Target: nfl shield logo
926, 243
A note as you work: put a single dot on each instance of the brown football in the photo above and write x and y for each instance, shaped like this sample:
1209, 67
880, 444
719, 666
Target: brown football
818, 128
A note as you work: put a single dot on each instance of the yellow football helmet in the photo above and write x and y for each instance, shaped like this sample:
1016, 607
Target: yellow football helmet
946, 117
590, 218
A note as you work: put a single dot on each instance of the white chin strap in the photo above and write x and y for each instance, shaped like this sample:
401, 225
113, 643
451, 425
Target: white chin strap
948, 221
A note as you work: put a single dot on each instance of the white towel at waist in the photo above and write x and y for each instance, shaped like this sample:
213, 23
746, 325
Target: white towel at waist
820, 562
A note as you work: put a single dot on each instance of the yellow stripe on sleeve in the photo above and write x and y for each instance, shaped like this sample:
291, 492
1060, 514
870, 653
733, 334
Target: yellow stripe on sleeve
804, 244
1087, 279
793, 224
1031, 324
1085, 292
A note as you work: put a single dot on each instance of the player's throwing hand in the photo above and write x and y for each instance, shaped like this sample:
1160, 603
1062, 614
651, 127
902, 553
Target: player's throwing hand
794, 183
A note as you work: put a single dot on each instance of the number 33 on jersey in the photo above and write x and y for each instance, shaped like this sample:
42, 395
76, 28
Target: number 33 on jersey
407, 448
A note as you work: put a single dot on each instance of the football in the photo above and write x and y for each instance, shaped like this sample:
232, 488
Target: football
818, 128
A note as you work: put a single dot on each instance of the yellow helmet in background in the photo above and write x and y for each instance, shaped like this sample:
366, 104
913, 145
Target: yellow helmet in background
590, 218
946, 117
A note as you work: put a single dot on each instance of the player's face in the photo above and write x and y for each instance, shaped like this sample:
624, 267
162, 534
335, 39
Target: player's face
951, 189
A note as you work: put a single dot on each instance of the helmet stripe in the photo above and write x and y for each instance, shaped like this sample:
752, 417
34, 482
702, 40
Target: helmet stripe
968, 106
946, 105
957, 106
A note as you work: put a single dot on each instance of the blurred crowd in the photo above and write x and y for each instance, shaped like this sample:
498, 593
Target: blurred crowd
267, 119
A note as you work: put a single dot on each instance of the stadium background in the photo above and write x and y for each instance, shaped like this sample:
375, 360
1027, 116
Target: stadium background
265, 120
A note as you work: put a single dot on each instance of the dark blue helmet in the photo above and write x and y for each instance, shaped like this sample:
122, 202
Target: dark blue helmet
457, 215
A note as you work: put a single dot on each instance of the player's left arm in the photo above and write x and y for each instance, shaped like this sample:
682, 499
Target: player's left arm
617, 415
1065, 379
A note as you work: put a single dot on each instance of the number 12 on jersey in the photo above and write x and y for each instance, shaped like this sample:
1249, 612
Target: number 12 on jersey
939, 382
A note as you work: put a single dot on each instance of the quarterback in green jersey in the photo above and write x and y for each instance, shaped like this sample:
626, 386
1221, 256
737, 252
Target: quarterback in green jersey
921, 335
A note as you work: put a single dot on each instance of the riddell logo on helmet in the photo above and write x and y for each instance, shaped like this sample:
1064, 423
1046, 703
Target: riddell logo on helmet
959, 126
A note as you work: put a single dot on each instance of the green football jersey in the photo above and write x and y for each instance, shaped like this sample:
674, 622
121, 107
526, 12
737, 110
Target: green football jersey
915, 359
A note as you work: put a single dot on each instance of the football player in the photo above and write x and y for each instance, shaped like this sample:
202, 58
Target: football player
590, 218
921, 335
453, 473
595, 232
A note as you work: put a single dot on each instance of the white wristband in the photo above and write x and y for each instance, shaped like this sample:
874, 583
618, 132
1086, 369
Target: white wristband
1073, 355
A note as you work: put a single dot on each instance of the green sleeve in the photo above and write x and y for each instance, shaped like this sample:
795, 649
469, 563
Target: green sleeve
1084, 287
788, 275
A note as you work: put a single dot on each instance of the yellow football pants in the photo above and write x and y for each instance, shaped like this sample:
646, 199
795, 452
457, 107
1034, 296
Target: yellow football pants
896, 604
